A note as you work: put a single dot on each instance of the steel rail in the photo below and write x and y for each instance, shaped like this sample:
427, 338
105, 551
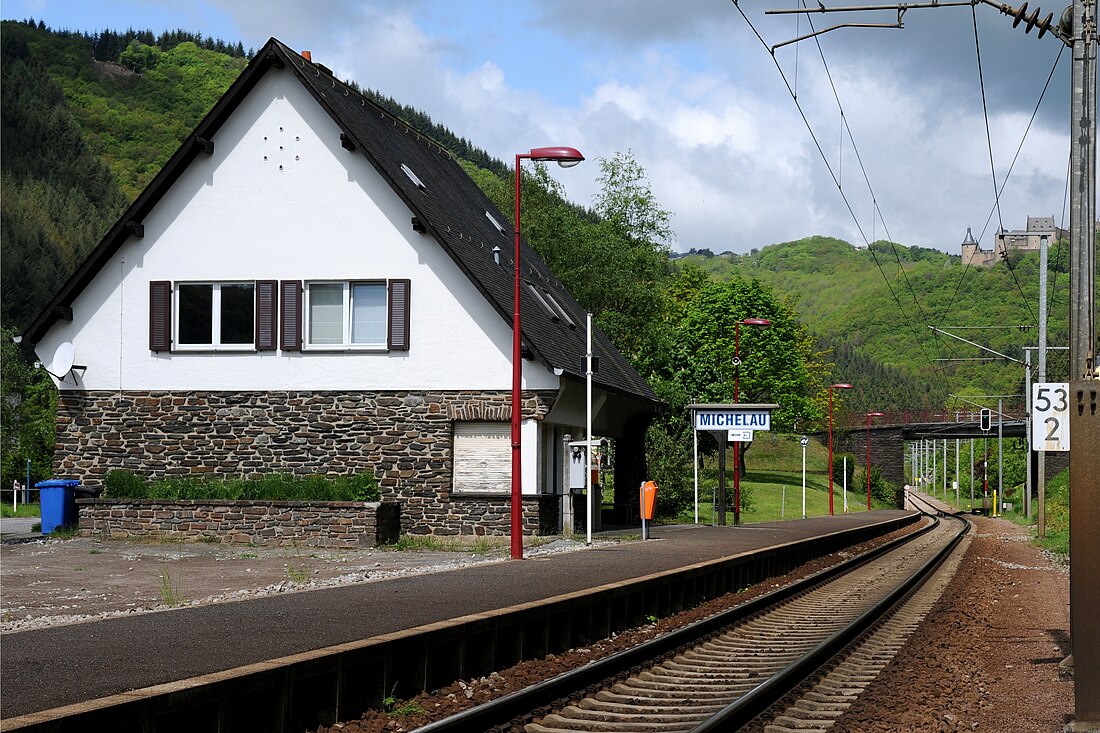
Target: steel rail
745, 709
503, 709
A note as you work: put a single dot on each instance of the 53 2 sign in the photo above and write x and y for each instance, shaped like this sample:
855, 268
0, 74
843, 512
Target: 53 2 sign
1050, 416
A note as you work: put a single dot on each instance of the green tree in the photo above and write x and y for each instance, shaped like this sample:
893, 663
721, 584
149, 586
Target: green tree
779, 364
29, 402
626, 200
139, 57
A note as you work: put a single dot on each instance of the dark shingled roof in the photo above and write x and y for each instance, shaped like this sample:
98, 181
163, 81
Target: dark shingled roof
450, 206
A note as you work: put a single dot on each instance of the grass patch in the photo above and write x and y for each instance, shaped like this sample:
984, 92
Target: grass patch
777, 495
481, 544
772, 486
170, 590
23, 510
409, 708
298, 569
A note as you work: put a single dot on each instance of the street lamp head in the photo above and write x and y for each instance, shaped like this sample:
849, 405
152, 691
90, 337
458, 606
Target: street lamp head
842, 385
563, 156
755, 322
875, 414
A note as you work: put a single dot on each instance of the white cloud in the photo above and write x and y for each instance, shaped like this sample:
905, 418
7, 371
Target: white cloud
690, 90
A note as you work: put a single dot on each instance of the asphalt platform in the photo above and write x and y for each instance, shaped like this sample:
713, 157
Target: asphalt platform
47, 668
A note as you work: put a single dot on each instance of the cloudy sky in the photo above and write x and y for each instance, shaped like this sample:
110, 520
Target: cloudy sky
689, 89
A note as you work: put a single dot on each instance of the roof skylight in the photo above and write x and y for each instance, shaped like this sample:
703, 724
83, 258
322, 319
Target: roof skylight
495, 222
413, 177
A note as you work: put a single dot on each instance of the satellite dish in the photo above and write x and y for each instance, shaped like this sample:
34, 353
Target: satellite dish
62, 364
63, 358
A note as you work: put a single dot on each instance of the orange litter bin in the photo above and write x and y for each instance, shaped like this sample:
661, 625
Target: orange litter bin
648, 499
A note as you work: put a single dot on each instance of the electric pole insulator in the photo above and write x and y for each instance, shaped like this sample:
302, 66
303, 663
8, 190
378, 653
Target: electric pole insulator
1019, 15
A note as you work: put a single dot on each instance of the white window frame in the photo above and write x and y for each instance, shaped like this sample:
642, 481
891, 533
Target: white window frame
215, 313
346, 344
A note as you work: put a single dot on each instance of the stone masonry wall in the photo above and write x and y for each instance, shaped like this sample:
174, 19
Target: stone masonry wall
404, 438
328, 524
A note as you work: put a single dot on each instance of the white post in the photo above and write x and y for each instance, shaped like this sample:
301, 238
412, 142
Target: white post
804, 441
783, 504
845, 484
695, 462
957, 479
945, 469
590, 519
1028, 481
971, 474
1000, 454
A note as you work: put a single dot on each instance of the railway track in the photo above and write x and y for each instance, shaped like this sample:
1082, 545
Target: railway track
812, 645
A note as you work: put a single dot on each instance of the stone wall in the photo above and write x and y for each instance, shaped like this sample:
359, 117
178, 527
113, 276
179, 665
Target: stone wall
404, 438
328, 524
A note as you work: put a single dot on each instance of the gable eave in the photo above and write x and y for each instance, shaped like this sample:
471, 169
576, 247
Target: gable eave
195, 144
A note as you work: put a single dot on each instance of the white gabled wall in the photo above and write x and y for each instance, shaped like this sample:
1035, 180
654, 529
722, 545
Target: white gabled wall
281, 199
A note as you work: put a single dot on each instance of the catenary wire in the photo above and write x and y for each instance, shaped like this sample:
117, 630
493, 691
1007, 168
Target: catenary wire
992, 167
917, 333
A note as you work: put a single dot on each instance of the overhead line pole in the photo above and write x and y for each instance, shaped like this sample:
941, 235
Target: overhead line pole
1084, 421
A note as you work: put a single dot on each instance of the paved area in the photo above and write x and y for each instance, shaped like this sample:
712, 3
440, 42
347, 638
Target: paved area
19, 528
49, 667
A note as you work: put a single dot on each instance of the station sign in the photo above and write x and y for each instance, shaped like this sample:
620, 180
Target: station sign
721, 420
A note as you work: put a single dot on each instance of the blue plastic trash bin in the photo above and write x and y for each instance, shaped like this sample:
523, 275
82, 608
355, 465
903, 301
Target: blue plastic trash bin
58, 502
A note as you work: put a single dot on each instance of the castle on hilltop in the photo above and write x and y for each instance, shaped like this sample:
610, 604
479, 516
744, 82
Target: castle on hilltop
1026, 240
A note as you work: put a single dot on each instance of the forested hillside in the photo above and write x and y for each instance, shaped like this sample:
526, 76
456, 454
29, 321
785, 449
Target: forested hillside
82, 137
875, 307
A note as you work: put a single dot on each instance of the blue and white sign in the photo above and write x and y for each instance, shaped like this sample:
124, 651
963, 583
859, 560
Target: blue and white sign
733, 419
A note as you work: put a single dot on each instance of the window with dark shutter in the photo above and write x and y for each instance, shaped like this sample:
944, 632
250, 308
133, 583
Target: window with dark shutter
399, 315
160, 315
290, 293
267, 318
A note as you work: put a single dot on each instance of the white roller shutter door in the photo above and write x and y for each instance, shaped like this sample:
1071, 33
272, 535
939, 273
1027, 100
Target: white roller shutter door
482, 456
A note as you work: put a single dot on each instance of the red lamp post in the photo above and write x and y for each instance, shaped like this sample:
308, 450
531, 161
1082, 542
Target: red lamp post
869, 416
566, 158
831, 388
764, 322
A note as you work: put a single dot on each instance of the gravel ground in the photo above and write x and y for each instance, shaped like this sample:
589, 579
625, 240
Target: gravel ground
987, 656
49, 582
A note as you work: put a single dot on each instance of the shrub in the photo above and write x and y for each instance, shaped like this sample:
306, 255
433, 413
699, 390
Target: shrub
271, 487
838, 468
882, 490
124, 484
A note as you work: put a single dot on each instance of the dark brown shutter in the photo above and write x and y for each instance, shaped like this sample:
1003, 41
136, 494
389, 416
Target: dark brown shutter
291, 306
267, 317
399, 315
160, 315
